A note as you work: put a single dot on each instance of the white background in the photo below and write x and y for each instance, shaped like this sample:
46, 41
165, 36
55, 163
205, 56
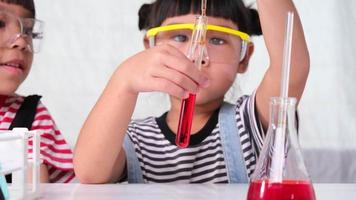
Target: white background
86, 40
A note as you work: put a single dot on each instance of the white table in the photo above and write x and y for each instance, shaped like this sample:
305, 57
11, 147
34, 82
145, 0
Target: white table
175, 191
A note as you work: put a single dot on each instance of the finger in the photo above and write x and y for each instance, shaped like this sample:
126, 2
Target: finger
186, 67
174, 51
169, 87
176, 77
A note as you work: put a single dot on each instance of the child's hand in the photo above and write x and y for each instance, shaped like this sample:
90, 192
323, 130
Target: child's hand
162, 68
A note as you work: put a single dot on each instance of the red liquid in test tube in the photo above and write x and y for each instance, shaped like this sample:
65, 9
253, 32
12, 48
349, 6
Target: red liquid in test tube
185, 121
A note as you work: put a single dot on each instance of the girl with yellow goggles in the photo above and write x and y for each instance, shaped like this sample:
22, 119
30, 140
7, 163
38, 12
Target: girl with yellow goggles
226, 139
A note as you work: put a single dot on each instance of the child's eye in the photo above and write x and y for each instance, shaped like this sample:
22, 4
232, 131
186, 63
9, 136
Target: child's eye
36, 35
217, 41
2, 24
180, 38
28, 32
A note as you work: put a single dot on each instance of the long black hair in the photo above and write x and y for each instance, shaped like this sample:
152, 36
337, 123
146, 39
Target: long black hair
152, 15
27, 4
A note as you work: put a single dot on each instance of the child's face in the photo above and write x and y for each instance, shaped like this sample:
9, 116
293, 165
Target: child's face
223, 60
15, 59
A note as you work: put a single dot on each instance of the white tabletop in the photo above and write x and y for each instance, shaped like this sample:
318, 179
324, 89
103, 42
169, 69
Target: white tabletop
175, 191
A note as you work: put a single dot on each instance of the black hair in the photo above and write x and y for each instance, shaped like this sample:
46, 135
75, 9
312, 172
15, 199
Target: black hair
27, 4
247, 19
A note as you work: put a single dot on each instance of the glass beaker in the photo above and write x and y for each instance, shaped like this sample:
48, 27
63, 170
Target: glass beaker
280, 172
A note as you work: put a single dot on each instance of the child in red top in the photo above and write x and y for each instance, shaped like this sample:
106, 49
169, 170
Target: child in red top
20, 34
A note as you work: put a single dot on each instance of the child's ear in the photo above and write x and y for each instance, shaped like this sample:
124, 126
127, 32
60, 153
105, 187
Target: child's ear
146, 42
243, 65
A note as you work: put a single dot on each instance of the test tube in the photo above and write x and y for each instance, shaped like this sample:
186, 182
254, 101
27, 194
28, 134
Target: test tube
195, 53
185, 121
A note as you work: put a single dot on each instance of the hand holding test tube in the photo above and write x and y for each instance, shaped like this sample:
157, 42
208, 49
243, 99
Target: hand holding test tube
195, 53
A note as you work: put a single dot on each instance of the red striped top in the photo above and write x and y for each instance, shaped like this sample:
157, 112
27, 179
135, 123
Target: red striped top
55, 152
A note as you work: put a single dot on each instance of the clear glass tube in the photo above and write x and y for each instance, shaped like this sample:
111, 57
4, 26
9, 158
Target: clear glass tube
195, 53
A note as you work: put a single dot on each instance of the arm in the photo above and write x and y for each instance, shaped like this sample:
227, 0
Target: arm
273, 16
44, 177
99, 156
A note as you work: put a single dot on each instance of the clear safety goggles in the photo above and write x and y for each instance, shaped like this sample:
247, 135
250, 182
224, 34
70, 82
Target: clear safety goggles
13, 28
222, 44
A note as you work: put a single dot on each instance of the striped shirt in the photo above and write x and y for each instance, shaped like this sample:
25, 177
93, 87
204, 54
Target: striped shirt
55, 153
161, 161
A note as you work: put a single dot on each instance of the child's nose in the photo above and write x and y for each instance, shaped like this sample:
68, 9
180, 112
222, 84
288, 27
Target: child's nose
205, 61
19, 42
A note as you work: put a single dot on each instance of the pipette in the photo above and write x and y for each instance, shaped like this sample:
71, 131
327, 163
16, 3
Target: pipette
278, 162
195, 53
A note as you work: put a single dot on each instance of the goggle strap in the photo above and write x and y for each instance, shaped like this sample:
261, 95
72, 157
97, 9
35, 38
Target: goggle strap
243, 50
151, 41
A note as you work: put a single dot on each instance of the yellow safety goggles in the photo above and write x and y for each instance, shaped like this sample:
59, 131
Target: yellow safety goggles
154, 31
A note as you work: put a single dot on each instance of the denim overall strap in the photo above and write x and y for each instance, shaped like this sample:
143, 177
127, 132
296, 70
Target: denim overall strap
134, 173
235, 164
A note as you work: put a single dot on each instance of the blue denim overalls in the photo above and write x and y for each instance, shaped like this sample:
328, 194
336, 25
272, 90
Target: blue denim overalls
235, 164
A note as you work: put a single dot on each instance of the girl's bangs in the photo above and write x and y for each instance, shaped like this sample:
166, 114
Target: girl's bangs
233, 10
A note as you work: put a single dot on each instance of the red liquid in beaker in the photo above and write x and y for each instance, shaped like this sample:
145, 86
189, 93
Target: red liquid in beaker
287, 190
185, 121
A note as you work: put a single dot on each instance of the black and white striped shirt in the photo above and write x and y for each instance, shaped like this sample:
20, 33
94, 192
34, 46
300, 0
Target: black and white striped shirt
162, 161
